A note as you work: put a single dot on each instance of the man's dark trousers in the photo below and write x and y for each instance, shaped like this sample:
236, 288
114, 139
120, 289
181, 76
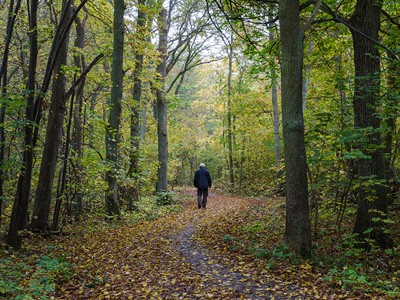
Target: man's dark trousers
202, 197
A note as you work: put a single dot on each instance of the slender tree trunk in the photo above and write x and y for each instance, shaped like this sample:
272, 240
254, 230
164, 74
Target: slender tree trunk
229, 119
141, 29
242, 161
276, 122
162, 179
372, 200
64, 167
275, 109
77, 134
13, 10
114, 117
19, 213
390, 122
298, 226
143, 124
93, 100
34, 108
41, 206
306, 79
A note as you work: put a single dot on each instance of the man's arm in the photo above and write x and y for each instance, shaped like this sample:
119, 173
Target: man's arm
195, 179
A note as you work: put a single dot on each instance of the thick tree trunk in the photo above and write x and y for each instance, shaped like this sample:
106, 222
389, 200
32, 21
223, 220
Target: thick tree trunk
19, 213
298, 227
114, 117
372, 200
41, 206
162, 178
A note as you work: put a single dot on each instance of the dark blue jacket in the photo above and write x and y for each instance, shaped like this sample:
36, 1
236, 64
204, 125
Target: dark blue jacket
202, 179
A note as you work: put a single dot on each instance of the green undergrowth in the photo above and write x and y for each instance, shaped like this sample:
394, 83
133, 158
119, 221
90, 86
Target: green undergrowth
339, 261
31, 275
147, 208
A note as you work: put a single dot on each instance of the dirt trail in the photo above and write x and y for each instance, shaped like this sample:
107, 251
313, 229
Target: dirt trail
162, 259
206, 265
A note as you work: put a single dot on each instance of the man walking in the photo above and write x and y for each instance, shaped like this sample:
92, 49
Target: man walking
202, 181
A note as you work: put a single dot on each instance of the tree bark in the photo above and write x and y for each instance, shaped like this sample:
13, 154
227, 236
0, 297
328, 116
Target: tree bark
229, 119
114, 117
372, 200
34, 108
19, 213
41, 206
390, 123
306, 77
13, 10
77, 133
133, 172
275, 108
162, 174
298, 227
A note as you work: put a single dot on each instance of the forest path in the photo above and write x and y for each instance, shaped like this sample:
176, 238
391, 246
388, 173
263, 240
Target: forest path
174, 257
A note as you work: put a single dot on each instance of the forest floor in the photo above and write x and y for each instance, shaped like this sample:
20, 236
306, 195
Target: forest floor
231, 250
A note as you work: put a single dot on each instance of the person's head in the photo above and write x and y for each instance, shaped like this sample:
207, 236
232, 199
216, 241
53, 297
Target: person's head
202, 165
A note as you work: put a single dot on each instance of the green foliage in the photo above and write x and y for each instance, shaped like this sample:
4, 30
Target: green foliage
277, 253
347, 277
165, 198
96, 282
353, 245
353, 277
255, 227
228, 238
34, 277
148, 208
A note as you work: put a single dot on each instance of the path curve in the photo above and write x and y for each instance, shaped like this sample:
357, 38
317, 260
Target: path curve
163, 259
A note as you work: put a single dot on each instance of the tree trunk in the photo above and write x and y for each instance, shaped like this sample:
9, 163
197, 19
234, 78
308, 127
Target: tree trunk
298, 227
77, 134
64, 166
34, 108
229, 119
306, 77
11, 16
93, 101
277, 135
114, 117
372, 200
19, 213
133, 172
390, 123
275, 108
162, 179
41, 206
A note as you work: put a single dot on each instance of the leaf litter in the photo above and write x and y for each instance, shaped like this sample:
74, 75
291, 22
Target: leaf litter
193, 254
